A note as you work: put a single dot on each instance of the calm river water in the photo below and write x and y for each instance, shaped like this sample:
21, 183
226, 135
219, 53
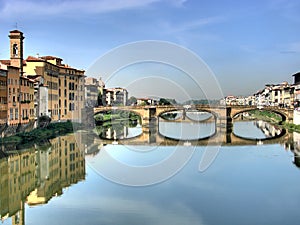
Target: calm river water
73, 179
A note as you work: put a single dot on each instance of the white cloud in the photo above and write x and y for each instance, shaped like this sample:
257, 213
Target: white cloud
133, 208
290, 48
190, 25
72, 7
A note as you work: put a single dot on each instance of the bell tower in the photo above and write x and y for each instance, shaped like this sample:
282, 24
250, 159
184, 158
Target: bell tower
16, 49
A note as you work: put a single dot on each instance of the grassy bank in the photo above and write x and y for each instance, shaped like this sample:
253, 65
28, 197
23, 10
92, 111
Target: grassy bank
39, 135
274, 118
117, 115
267, 116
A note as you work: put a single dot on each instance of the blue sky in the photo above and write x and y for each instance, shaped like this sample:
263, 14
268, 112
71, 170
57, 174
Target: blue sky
245, 43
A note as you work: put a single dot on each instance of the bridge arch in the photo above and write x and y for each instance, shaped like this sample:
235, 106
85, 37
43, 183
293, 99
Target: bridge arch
214, 114
283, 115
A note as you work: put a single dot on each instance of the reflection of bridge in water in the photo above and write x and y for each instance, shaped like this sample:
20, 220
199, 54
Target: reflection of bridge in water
223, 117
151, 136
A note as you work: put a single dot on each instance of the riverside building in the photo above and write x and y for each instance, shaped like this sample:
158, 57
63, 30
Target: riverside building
37, 86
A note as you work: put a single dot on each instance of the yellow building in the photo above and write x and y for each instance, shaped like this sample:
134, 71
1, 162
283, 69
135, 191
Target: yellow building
65, 86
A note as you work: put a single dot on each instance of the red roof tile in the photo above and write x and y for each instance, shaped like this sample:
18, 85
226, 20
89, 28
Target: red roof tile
49, 57
5, 62
34, 59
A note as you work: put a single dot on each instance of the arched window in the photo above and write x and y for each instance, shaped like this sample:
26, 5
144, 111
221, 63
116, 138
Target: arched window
15, 49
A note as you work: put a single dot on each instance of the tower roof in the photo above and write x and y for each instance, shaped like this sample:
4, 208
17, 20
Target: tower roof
16, 31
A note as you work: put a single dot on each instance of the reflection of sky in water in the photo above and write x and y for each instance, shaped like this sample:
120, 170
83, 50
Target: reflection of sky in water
247, 129
198, 115
244, 185
134, 131
136, 155
186, 130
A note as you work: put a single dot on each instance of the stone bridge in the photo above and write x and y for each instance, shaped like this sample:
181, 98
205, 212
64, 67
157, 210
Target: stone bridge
223, 114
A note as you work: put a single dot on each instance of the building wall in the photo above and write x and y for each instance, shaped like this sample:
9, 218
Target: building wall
26, 100
42, 101
3, 96
65, 87
13, 87
71, 93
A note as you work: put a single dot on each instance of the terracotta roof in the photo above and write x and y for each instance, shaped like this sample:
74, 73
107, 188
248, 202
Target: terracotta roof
15, 31
34, 59
5, 62
49, 57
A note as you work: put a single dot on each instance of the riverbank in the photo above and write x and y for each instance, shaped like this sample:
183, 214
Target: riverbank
275, 119
39, 135
117, 116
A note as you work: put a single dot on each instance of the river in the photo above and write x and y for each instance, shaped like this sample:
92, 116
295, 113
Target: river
83, 179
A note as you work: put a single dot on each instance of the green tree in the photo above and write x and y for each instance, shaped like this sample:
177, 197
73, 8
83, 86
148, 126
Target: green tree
164, 101
132, 101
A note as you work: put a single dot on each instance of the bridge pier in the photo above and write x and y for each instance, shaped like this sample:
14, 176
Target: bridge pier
150, 132
149, 117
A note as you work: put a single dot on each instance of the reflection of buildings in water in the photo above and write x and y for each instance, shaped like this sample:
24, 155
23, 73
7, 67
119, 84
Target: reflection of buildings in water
268, 129
17, 181
116, 132
295, 148
36, 175
58, 167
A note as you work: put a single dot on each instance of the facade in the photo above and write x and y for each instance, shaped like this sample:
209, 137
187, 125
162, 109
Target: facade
29, 81
64, 85
116, 96
145, 101
91, 92
3, 96
20, 96
49, 73
282, 95
296, 86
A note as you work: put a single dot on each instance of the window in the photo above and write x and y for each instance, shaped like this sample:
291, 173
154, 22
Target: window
11, 113
16, 114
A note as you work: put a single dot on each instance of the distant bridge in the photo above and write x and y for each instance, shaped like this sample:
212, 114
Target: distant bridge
223, 114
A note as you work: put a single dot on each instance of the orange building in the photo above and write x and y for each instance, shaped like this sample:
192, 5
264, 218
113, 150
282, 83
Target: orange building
19, 89
3, 96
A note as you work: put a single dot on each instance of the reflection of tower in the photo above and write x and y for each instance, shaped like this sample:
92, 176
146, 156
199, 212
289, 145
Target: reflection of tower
19, 217
16, 49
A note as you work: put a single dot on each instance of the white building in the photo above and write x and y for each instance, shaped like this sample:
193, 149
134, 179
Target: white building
116, 96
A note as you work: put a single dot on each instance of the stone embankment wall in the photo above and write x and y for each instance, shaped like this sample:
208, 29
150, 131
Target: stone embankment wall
6, 130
